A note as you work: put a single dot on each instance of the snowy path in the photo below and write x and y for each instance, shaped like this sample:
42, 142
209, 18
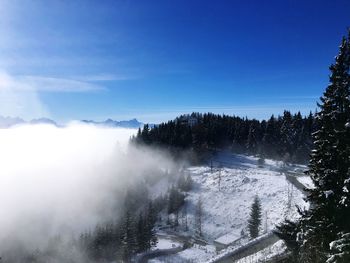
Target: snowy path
292, 178
250, 248
144, 258
167, 245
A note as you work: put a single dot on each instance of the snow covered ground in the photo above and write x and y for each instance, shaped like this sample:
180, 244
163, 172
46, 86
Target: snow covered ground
166, 243
227, 192
306, 180
226, 206
264, 254
194, 254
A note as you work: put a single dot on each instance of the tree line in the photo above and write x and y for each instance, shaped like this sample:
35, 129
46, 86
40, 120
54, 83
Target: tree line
287, 137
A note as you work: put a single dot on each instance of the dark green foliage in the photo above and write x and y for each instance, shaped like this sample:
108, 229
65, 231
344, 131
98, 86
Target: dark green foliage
160, 203
185, 183
254, 221
145, 235
176, 200
281, 137
261, 161
135, 196
132, 233
340, 249
324, 230
128, 237
288, 232
151, 237
141, 234
253, 138
199, 217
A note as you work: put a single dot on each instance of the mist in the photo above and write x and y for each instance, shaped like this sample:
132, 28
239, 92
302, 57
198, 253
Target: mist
62, 181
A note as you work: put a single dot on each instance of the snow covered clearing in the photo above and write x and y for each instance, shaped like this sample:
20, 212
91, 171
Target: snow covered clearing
227, 195
227, 187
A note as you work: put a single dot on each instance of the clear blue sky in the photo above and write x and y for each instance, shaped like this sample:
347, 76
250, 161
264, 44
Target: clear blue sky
156, 59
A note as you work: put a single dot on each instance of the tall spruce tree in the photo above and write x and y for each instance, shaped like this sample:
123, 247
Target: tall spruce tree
150, 224
324, 230
199, 217
141, 234
252, 144
128, 237
340, 79
254, 221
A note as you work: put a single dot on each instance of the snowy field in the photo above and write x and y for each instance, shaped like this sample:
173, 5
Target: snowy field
227, 191
226, 207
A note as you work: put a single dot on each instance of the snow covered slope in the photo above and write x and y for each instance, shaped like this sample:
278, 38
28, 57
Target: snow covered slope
227, 187
226, 207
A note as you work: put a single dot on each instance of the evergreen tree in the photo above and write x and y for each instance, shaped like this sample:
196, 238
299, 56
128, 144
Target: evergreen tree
288, 232
287, 137
199, 217
128, 238
176, 200
329, 164
188, 183
141, 234
184, 218
252, 144
324, 229
254, 221
150, 226
269, 141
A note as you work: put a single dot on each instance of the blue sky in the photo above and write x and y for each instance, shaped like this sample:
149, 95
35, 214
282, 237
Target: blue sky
154, 60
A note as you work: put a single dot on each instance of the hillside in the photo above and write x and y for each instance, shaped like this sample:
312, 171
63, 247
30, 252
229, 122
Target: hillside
226, 208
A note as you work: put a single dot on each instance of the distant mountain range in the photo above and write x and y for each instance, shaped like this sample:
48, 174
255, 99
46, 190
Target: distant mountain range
7, 122
133, 123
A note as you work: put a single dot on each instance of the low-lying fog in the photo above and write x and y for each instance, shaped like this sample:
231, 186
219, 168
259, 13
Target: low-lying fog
63, 180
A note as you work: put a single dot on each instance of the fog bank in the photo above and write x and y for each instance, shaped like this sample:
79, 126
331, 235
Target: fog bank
64, 180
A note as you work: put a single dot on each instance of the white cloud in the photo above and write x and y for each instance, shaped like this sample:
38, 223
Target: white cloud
50, 84
102, 77
13, 102
59, 84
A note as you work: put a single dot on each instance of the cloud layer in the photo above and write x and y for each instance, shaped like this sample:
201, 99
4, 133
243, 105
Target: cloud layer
64, 180
39, 83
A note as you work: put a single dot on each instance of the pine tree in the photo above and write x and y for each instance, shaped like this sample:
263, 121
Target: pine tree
254, 221
141, 235
184, 218
188, 183
129, 242
329, 164
288, 232
286, 136
252, 143
199, 217
150, 237
269, 139
324, 230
